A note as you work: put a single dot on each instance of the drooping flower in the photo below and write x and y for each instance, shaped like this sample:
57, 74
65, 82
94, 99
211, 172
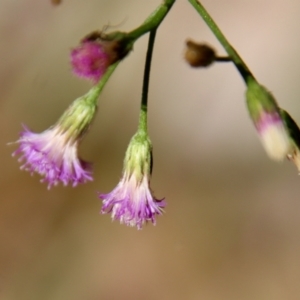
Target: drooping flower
132, 201
54, 153
268, 122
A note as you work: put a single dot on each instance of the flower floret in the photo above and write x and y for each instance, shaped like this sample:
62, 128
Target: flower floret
132, 202
53, 156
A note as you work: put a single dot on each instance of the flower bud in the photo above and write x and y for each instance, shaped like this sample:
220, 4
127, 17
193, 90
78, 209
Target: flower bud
199, 55
95, 54
267, 120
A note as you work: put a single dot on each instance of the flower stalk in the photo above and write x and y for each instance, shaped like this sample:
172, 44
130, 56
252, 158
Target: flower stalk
144, 100
132, 201
152, 22
234, 56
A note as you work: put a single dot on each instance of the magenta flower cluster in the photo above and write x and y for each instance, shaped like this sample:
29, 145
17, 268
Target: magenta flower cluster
89, 60
53, 154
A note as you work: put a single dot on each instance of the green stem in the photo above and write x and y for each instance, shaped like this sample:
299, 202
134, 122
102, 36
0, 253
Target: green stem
153, 21
223, 59
100, 85
236, 59
150, 24
97, 89
144, 101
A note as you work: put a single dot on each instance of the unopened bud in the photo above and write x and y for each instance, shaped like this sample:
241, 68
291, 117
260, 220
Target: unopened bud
267, 120
96, 53
199, 55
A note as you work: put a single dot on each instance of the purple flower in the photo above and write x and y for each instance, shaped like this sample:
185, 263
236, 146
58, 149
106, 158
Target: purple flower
54, 153
132, 201
54, 156
90, 60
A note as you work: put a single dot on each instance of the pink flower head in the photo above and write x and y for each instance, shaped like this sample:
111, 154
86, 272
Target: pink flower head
90, 60
132, 201
54, 153
54, 156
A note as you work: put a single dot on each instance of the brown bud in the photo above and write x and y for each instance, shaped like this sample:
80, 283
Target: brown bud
199, 55
56, 2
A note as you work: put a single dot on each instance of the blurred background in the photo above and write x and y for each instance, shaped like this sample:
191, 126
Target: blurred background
231, 228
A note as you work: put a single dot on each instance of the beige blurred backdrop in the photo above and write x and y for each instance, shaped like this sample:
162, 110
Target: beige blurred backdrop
232, 224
